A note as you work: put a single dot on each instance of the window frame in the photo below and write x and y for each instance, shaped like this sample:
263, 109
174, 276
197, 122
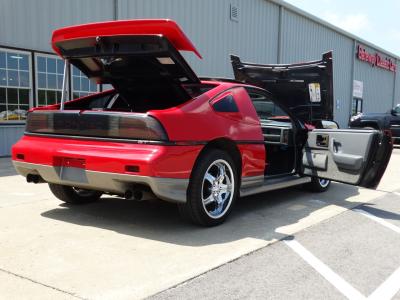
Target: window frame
46, 55
359, 106
98, 89
30, 87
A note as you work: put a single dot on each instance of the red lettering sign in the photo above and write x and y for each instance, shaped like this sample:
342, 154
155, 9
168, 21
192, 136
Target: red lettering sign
375, 60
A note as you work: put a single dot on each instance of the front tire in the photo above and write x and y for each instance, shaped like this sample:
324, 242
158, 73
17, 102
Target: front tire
212, 190
318, 185
74, 195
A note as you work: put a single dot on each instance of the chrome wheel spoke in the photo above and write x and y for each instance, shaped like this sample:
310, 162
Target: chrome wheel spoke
209, 178
223, 188
221, 174
220, 200
208, 200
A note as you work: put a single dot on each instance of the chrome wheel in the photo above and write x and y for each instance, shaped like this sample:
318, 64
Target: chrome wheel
217, 188
323, 182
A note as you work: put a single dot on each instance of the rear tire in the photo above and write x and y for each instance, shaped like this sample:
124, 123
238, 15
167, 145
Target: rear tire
318, 185
212, 189
74, 195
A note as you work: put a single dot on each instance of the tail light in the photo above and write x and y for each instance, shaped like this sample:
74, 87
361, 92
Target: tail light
96, 124
144, 128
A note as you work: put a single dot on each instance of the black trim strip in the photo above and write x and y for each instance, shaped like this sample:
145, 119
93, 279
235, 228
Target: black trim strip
88, 138
131, 141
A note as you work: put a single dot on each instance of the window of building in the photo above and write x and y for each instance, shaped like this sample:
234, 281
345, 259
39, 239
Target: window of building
15, 85
49, 78
356, 106
81, 85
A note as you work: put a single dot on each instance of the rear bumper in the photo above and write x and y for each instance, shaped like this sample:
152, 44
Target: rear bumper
169, 189
107, 166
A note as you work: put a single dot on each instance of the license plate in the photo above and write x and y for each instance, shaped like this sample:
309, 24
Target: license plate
72, 169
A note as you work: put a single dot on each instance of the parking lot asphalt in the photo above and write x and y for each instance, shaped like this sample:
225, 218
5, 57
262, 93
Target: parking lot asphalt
282, 244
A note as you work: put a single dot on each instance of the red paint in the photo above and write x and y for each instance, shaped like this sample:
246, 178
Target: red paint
197, 121
165, 27
71, 162
152, 160
375, 59
253, 159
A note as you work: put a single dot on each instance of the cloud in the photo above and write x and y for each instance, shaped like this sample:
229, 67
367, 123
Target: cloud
354, 23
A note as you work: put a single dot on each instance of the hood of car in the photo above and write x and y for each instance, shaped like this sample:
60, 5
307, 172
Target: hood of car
127, 52
306, 89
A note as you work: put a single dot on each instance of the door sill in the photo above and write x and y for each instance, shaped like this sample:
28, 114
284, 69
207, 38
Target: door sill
276, 183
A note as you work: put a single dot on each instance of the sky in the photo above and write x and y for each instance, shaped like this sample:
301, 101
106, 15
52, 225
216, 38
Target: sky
375, 21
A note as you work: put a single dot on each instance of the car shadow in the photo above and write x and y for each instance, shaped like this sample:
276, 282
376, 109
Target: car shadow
264, 216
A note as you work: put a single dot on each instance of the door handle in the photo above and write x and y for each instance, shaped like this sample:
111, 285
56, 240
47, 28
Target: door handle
336, 146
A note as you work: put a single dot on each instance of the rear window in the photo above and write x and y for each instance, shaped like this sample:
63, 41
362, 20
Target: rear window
195, 90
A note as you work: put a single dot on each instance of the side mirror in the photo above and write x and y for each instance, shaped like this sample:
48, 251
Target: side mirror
393, 112
329, 124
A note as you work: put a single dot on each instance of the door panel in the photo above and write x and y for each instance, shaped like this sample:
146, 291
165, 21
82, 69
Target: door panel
347, 155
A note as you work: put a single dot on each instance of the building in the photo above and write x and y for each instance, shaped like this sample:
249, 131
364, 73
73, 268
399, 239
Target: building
262, 31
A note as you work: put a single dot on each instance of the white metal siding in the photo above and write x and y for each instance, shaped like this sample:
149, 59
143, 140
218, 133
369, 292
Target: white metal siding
29, 24
303, 39
396, 99
9, 135
208, 25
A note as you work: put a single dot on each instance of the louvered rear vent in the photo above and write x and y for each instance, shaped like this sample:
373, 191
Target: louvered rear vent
234, 13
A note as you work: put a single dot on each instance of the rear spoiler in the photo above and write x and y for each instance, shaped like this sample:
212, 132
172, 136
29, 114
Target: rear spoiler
164, 27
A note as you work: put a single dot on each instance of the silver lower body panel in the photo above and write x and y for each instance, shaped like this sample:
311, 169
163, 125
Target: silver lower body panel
270, 184
169, 189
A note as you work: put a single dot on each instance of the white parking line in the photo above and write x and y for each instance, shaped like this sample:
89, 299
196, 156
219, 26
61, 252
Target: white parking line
338, 282
378, 220
388, 288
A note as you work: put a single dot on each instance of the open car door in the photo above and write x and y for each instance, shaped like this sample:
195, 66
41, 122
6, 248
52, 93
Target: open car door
354, 156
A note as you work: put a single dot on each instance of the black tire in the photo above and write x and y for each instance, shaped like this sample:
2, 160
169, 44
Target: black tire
73, 195
318, 185
216, 211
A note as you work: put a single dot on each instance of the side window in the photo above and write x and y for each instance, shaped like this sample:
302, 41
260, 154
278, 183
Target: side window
265, 108
226, 104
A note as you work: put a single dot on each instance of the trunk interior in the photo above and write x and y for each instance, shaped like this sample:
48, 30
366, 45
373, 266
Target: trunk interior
139, 99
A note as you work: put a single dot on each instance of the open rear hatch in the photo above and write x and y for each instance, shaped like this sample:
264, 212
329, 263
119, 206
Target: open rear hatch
141, 59
132, 56
306, 89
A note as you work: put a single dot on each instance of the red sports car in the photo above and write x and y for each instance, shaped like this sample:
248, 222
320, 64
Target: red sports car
200, 143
